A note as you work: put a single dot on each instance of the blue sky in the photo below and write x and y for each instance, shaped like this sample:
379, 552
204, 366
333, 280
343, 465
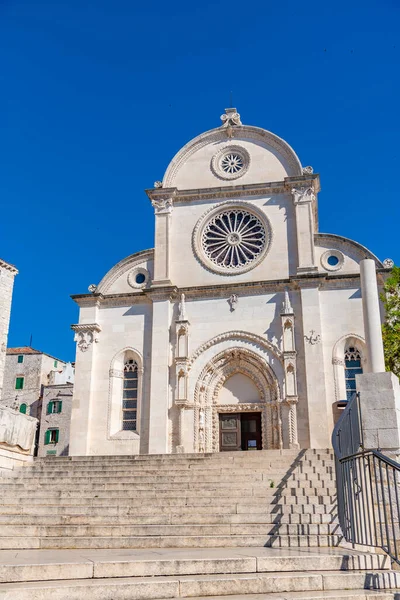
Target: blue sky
97, 96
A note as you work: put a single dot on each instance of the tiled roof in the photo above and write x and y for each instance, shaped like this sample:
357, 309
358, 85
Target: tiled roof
23, 350
29, 350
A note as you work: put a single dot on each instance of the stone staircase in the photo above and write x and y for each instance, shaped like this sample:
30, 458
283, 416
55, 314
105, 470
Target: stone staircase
181, 526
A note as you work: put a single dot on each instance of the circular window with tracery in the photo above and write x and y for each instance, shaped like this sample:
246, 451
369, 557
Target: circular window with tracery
233, 240
230, 162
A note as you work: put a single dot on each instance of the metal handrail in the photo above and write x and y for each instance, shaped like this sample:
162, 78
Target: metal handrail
368, 487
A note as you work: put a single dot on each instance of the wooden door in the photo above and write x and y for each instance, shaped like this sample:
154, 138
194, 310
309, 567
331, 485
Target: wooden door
229, 432
251, 431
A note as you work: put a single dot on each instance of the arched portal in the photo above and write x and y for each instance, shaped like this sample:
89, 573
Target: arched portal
236, 381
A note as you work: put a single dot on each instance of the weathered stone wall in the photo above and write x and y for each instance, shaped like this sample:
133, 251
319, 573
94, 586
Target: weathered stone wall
7, 274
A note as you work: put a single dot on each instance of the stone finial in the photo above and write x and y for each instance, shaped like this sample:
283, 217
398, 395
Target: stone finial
92, 288
287, 308
388, 263
308, 170
182, 309
158, 184
230, 118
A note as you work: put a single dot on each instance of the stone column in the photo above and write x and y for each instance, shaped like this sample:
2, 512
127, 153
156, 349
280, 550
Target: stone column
372, 317
159, 384
319, 423
84, 398
304, 201
162, 201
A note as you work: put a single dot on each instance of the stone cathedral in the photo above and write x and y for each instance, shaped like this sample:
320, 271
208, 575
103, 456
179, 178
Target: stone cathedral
241, 330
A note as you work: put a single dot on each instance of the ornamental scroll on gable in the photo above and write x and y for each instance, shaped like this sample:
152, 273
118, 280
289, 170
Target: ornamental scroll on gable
85, 335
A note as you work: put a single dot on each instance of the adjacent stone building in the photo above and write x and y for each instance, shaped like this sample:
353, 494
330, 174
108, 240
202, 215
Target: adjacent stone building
26, 372
241, 329
7, 275
56, 413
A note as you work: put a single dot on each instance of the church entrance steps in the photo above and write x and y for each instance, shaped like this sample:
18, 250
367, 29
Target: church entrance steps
195, 541
183, 518
239, 574
44, 565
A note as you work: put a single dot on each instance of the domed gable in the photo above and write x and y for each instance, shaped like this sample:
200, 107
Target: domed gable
232, 154
132, 274
335, 253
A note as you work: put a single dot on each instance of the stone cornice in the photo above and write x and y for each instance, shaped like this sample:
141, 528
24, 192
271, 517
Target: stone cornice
5, 265
146, 296
235, 191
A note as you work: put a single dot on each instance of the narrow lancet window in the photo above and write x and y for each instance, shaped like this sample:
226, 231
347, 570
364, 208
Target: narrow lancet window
130, 395
352, 361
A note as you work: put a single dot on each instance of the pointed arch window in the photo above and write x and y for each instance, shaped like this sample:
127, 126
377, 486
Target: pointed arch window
130, 395
352, 362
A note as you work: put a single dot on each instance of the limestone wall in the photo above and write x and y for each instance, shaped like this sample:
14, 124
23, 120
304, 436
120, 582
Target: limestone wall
17, 438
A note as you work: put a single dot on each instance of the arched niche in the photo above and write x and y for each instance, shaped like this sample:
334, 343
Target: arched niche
115, 399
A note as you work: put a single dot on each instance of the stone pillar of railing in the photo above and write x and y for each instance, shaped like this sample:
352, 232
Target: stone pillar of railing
379, 390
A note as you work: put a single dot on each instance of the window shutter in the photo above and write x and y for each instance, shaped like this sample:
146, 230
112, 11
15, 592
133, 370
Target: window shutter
57, 435
59, 406
47, 437
22, 409
49, 408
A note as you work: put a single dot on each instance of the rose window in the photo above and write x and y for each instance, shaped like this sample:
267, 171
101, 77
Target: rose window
233, 239
232, 163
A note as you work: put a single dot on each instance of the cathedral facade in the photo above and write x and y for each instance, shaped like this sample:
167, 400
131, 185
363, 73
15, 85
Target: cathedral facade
241, 330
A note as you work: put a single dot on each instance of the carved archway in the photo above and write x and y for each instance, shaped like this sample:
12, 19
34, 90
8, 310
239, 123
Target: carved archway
206, 398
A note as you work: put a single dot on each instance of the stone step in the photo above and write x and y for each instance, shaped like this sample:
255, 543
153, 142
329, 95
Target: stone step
124, 477
268, 494
169, 518
158, 529
191, 586
196, 541
44, 565
21, 511
180, 468
148, 490
104, 499
185, 467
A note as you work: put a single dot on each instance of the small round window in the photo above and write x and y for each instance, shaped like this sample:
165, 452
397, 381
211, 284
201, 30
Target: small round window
138, 278
332, 260
230, 162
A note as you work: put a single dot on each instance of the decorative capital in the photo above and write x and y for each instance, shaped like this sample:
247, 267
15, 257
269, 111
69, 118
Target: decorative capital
230, 118
162, 199
338, 361
303, 194
85, 335
286, 306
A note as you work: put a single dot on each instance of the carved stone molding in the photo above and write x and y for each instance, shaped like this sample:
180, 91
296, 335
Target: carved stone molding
338, 361
252, 338
85, 335
303, 194
313, 338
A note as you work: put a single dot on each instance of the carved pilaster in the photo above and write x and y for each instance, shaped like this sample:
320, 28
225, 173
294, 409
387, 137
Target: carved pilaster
162, 201
304, 200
